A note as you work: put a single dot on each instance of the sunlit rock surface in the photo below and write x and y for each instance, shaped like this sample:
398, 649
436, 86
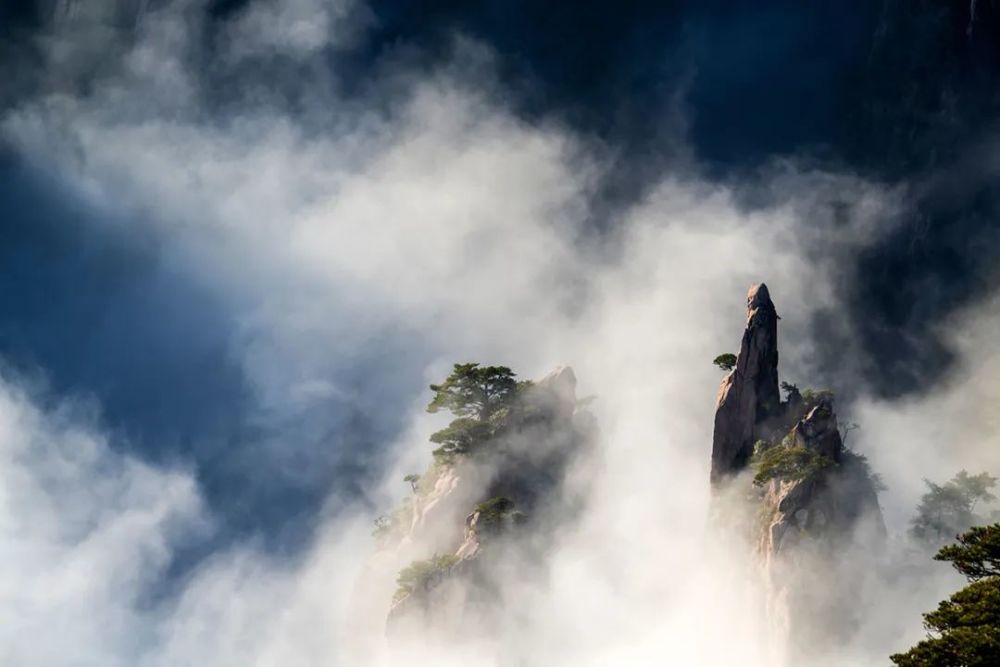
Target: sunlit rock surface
511, 495
812, 505
749, 395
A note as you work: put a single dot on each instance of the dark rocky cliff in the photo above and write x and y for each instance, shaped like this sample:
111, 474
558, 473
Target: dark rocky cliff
812, 501
748, 397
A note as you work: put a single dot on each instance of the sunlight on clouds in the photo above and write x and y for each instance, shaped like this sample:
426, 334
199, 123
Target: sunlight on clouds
457, 227
85, 532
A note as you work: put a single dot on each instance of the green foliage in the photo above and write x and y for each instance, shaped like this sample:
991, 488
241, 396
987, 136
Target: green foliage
976, 487
497, 513
813, 397
965, 629
977, 554
387, 524
726, 362
791, 391
474, 391
786, 462
462, 436
383, 524
484, 400
417, 574
481, 398
495, 507
948, 509
414, 480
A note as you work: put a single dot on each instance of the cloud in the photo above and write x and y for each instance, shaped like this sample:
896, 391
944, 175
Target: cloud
87, 532
355, 248
953, 428
90, 533
297, 28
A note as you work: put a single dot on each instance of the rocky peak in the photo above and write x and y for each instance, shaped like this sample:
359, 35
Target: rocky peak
749, 395
810, 499
562, 383
555, 394
818, 431
810, 516
513, 483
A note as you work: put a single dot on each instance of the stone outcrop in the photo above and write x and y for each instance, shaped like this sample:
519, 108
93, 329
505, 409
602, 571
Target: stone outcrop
826, 504
526, 465
450, 592
512, 486
748, 397
812, 529
441, 597
813, 500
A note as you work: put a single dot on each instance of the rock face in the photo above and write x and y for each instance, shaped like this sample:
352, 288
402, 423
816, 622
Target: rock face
512, 489
748, 397
440, 598
826, 504
815, 500
462, 586
813, 528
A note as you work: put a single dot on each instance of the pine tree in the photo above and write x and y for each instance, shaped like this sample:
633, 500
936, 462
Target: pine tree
964, 631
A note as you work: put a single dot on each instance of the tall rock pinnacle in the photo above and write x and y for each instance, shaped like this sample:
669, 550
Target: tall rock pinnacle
803, 520
748, 396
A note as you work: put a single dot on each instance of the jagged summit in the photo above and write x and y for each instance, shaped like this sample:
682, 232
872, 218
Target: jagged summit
758, 296
489, 507
749, 395
811, 498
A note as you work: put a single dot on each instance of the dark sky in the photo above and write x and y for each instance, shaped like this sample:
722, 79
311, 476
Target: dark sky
903, 92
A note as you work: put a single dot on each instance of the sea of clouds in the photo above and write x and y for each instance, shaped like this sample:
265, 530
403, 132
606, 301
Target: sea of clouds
419, 223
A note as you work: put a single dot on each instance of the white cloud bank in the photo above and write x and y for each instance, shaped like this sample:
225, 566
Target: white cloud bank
454, 224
